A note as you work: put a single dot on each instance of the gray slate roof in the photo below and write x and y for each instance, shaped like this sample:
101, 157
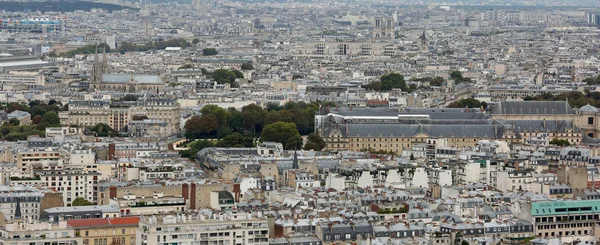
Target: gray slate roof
532, 107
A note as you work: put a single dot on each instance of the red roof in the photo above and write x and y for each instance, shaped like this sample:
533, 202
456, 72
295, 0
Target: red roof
125, 221
100, 222
88, 222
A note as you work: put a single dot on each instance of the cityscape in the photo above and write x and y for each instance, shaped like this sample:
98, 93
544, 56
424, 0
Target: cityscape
302, 122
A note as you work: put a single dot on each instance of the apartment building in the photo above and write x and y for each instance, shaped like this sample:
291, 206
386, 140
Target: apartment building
26, 233
334, 233
113, 231
567, 219
32, 161
25, 199
72, 183
217, 229
63, 131
508, 181
21, 80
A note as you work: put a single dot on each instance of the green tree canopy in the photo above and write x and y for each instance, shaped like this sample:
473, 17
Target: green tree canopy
375, 85
467, 102
559, 142
314, 142
195, 41
103, 130
284, 133
254, 117
201, 126
247, 66
236, 140
80, 201
51, 118
392, 80
222, 76
238, 74
221, 114
209, 51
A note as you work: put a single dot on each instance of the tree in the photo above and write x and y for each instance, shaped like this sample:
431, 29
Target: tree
80, 201
36, 119
284, 133
51, 118
238, 74
14, 121
391, 81
247, 66
195, 41
199, 126
222, 76
220, 113
375, 85
235, 140
186, 66
14, 107
560, 142
467, 102
315, 142
297, 76
253, 117
51, 102
456, 75
209, 51
103, 130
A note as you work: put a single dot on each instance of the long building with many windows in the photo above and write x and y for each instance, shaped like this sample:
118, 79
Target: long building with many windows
393, 130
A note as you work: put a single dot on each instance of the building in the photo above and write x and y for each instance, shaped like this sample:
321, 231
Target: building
19, 232
30, 162
130, 83
27, 198
31, 25
72, 183
114, 231
567, 219
393, 130
23, 117
218, 229
383, 28
118, 115
21, 80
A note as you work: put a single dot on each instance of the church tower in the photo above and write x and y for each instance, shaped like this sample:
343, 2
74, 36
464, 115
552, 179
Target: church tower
98, 68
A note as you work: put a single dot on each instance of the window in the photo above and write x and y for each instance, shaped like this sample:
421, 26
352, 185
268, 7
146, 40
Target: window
590, 120
348, 236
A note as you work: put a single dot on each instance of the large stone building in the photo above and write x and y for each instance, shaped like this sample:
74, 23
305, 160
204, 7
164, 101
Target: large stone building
393, 130
117, 115
130, 83
585, 118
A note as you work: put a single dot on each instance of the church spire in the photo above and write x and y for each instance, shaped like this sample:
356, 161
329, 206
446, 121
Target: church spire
295, 160
18, 209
